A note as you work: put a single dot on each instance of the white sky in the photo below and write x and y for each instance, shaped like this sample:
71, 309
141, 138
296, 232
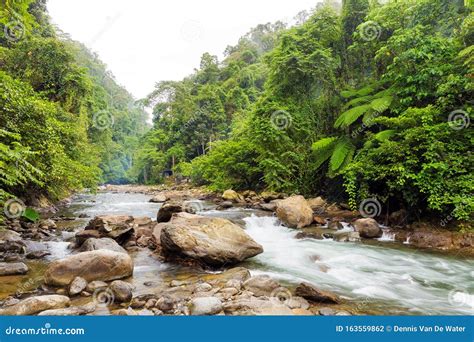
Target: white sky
145, 41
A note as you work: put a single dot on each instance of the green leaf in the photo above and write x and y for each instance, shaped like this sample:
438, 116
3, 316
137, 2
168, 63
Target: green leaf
342, 149
351, 115
323, 150
382, 104
31, 215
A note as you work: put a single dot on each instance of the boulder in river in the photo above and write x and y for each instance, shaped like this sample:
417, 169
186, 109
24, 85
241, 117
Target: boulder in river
102, 265
312, 293
122, 291
34, 305
368, 228
13, 268
231, 195
117, 227
103, 243
78, 285
214, 241
160, 198
295, 212
205, 306
167, 210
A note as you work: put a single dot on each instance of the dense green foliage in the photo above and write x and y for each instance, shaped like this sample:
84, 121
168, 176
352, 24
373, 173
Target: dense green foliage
354, 102
64, 122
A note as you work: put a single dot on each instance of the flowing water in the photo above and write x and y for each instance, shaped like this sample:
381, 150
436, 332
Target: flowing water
379, 277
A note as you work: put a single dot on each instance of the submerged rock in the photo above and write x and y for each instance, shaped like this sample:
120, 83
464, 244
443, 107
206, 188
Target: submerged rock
214, 241
294, 212
34, 305
95, 265
12, 268
368, 228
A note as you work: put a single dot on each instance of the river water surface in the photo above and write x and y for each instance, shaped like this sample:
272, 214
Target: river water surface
380, 277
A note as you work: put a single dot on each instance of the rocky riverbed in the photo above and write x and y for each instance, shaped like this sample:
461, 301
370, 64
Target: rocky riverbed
132, 250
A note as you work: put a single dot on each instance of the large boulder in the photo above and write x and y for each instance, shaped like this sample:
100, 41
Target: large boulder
102, 265
231, 195
167, 210
117, 227
312, 293
295, 212
12, 268
368, 228
103, 243
214, 241
34, 305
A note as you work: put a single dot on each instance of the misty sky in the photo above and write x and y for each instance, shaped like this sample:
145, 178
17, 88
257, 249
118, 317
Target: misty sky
145, 41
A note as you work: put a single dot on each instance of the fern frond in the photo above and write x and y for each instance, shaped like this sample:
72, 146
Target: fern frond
351, 115
341, 151
385, 135
382, 104
323, 150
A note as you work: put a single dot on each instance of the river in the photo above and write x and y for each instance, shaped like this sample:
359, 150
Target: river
378, 277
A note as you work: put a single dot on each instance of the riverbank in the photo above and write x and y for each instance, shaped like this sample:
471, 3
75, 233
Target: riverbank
345, 275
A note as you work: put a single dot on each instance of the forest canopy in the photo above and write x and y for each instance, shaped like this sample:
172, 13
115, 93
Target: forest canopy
363, 100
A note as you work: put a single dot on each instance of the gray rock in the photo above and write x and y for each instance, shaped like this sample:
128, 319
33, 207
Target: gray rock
96, 285
93, 244
71, 311
12, 268
77, 286
261, 285
205, 306
122, 291
34, 305
368, 228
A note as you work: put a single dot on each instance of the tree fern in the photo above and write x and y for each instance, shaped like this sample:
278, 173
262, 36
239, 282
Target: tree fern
323, 149
351, 115
343, 148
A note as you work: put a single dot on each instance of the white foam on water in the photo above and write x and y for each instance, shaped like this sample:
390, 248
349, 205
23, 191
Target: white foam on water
420, 282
